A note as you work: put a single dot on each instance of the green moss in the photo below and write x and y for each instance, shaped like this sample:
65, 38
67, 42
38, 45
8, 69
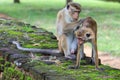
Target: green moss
14, 33
43, 46
43, 38
85, 72
7, 64
2, 61
49, 45
34, 35
10, 72
27, 78
27, 29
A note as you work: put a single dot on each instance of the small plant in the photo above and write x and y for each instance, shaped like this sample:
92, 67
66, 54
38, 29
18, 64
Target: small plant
27, 29
10, 73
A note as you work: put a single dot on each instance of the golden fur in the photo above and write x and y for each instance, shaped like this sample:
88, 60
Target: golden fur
87, 32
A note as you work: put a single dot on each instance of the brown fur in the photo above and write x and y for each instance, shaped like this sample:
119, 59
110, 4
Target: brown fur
65, 25
87, 33
76, 5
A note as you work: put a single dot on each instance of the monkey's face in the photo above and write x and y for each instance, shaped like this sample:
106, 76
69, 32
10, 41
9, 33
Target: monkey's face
74, 13
84, 33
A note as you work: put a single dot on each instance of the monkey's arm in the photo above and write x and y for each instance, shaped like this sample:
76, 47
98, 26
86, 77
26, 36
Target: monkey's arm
71, 26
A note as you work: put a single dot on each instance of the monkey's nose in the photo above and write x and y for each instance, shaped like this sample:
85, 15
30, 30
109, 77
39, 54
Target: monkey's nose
88, 35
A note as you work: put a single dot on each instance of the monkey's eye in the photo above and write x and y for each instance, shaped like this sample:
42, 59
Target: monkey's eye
77, 28
68, 6
78, 11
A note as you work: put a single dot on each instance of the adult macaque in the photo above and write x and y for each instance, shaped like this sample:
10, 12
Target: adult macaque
67, 20
87, 33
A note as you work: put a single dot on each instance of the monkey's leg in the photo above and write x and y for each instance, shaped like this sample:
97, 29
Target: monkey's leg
79, 52
78, 59
82, 54
95, 53
95, 56
60, 46
66, 44
74, 46
92, 57
77, 65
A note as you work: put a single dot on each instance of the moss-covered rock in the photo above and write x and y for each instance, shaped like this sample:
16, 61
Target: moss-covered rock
31, 37
10, 73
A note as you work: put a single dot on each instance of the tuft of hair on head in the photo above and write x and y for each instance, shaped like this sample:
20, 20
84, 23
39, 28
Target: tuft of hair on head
74, 4
91, 20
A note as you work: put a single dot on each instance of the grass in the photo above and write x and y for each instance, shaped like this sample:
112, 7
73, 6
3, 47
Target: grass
43, 14
39, 38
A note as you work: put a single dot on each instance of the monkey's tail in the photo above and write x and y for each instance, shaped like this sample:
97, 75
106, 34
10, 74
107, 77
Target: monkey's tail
42, 51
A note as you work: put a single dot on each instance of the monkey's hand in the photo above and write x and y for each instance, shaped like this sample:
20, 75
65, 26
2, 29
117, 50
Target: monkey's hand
81, 21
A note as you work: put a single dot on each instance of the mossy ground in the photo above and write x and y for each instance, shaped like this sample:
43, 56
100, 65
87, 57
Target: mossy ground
39, 38
10, 73
27, 36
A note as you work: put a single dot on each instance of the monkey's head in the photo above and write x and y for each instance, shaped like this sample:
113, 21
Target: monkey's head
86, 31
74, 9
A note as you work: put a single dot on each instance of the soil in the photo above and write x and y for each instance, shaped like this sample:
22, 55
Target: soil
4, 16
106, 58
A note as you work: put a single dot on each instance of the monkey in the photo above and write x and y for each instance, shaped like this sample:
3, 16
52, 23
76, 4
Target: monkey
67, 20
87, 32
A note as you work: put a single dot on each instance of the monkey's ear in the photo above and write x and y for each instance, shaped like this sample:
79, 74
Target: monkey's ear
68, 6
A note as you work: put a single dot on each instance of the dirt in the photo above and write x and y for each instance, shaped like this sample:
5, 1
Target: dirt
106, 58
4, 16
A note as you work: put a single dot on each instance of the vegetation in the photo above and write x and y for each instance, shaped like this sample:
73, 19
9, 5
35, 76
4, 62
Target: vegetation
86, 72
43, 14
113, 0
16, 1
29, 36
10, 72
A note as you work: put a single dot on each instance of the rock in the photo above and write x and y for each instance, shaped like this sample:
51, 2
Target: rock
45, 73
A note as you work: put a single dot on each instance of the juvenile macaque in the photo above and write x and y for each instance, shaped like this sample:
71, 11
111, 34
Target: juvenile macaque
87, 32
67, 20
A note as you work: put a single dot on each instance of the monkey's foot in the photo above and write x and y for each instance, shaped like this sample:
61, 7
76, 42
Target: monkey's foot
71, 57
93, 62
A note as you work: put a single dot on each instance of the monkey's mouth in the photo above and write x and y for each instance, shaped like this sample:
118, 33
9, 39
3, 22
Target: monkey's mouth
80, 41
